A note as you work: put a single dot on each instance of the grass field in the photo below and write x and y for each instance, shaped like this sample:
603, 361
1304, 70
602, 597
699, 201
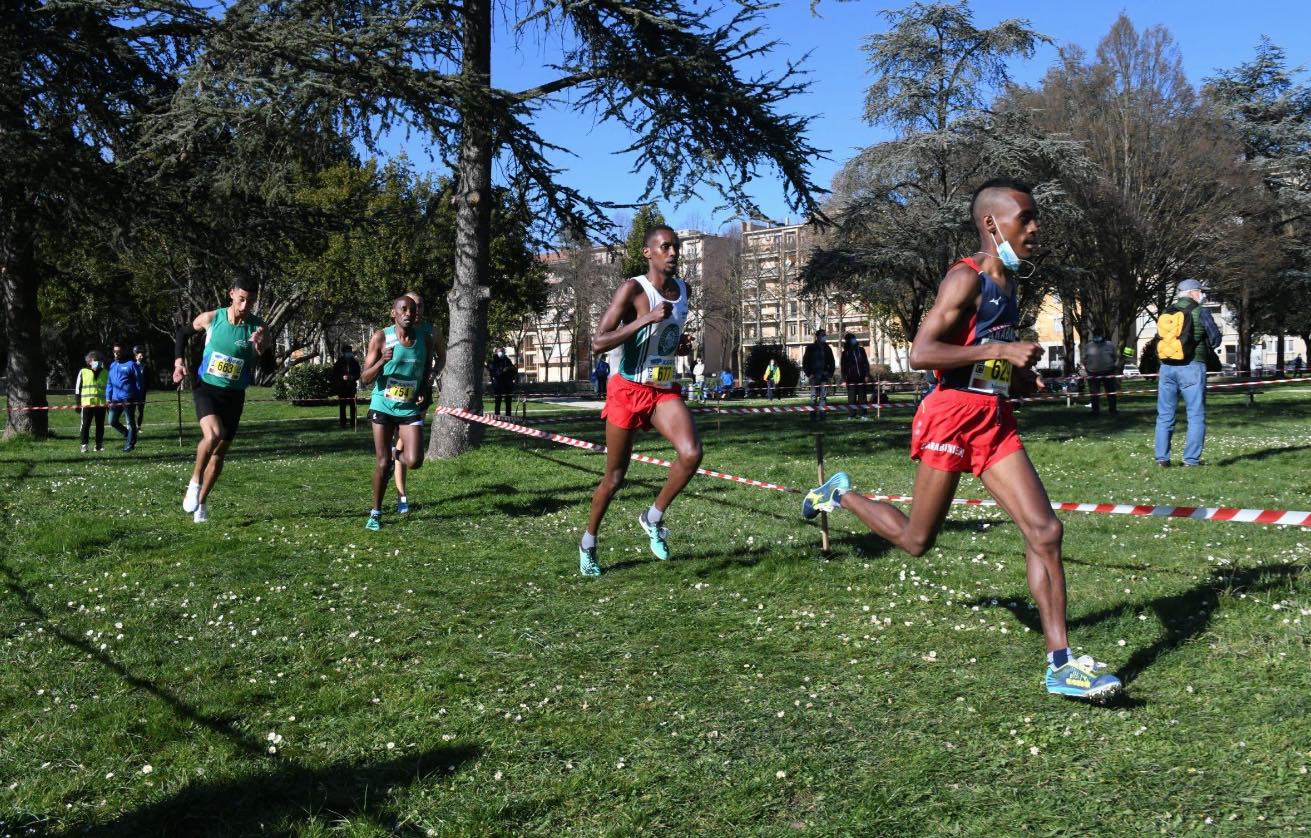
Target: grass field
282, 671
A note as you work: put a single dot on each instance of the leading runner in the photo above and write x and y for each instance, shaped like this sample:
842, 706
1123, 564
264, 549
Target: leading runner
966, 424
234, 340
643, 331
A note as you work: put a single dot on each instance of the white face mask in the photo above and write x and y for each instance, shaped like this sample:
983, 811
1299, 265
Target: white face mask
95, 365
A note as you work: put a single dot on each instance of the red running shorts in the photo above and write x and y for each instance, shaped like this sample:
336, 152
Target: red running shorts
630, 405
956, 430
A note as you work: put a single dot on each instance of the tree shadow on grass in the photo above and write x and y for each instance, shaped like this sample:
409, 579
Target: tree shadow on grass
253, 804
1264, 454
273, 801
1183, 616
223, 726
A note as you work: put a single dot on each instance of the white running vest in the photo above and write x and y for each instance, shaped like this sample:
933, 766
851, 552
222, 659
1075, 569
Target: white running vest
648, 356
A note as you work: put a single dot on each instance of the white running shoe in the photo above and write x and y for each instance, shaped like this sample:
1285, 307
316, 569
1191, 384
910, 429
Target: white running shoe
192, 499
201, 515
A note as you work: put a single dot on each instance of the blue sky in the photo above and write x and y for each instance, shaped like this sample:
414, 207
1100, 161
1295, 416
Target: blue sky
1210, 35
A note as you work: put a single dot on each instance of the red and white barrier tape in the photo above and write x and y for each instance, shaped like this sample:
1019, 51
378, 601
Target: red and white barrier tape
1279, 517
592, 446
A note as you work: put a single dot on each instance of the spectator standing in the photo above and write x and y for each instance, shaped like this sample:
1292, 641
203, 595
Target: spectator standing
147, 373
89, 390
1297, 365
601, 375
1098, 356
817, 363
855, 374
503, 373
1186, 379
772, 376
699, 378
122, 391
345, 380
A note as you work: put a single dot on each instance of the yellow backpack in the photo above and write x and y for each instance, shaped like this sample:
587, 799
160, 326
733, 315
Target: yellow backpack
1176, 341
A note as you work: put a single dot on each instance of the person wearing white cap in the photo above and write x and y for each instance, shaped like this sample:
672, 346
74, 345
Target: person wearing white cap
1185, 376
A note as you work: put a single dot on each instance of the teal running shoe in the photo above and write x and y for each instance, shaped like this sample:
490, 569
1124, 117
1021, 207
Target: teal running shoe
1083, 677
825, 498
659, 537
402, 507
587, 562
374, 523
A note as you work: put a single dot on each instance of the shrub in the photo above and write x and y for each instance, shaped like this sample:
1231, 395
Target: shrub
306, 381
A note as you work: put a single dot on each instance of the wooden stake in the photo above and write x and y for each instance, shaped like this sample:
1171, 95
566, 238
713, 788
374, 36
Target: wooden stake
179, 414
823, 516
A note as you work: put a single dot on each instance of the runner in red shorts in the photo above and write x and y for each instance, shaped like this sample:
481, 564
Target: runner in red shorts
643, 331
966, 424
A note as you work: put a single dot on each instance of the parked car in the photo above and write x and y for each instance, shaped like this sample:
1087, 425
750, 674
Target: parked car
1131, 371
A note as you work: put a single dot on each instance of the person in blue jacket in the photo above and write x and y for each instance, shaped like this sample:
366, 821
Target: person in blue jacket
122, 391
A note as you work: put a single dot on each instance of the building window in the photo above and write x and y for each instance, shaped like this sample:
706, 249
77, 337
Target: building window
792, 330
792, 309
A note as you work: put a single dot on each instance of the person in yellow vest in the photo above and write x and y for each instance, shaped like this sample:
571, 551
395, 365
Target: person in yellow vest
89, 390
772, 376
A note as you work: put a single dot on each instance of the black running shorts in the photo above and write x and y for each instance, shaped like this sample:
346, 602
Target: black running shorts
222, 402
377, 417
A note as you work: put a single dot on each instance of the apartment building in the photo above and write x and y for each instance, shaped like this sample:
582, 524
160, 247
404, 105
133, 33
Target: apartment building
774, 309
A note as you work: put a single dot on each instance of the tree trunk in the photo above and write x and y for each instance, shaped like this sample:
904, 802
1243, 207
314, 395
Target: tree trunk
1245, 330
25, 374
1279, 349
462, 381
1067, 336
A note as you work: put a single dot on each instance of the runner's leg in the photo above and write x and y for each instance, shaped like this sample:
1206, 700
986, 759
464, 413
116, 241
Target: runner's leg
401, 470
383, 433
915, 534
211, 434
1015, 485
619, 448
214, 468
409, 446
674, 422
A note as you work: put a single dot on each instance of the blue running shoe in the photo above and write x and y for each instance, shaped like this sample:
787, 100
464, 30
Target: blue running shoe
374, 523
824, 498
402, 507
587, 562
658, 535
1083, 677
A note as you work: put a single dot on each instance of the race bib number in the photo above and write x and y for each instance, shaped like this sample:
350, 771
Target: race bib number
400, 391
991, 377
660, 374
225, 367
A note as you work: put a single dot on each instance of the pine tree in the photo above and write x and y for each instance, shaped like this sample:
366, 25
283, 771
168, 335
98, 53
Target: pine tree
634, 263
663, 70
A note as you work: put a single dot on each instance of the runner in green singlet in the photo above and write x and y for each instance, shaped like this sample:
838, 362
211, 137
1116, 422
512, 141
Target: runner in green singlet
430, 331
397, 365
234, 340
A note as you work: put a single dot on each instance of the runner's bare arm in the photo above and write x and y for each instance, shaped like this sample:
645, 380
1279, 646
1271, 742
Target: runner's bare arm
377, 355
958, 297
200, 324
429, 374
609, 333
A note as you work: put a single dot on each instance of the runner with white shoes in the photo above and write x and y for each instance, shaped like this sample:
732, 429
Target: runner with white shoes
234, 339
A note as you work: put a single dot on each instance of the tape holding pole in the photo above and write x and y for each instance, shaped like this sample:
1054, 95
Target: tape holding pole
1278, 517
